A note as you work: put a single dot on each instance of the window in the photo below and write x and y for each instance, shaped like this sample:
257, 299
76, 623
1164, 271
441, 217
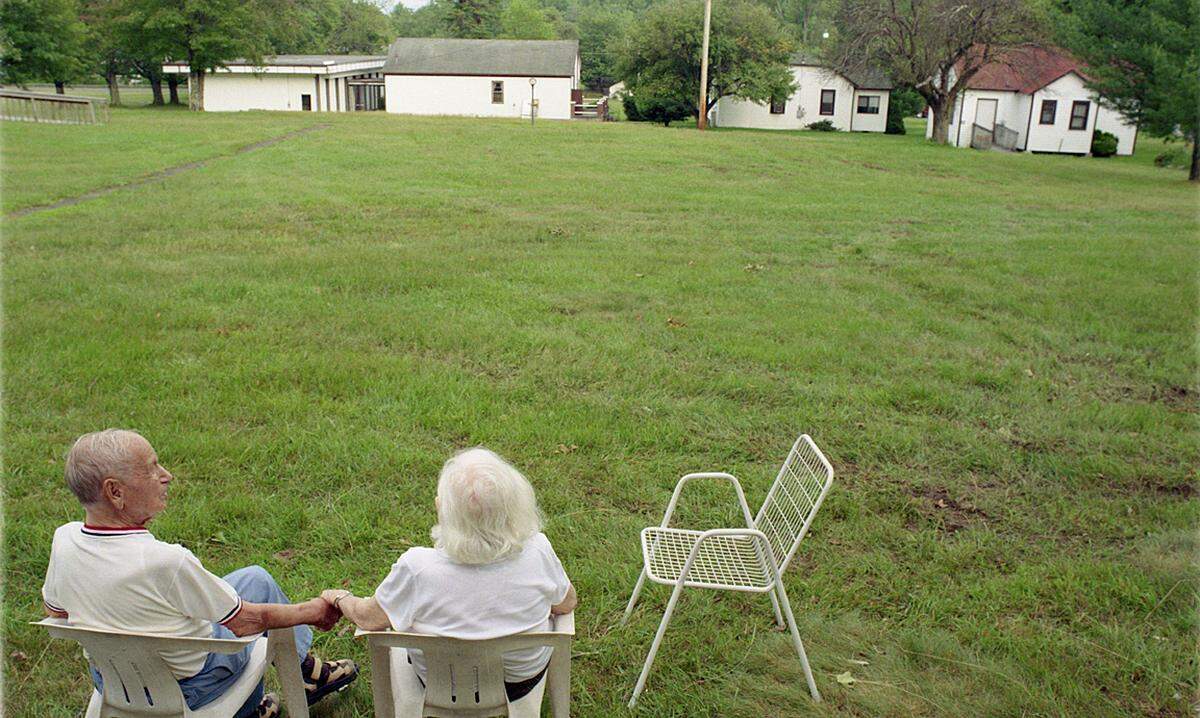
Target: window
306, 103
827, 99
1079, 115
1049, 108
497, 92
777, 106
868, 105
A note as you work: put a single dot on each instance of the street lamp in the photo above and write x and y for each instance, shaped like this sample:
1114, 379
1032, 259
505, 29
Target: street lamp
532, 102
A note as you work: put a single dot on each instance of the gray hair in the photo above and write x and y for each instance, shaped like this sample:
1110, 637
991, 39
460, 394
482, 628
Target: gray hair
487, 509
97, 456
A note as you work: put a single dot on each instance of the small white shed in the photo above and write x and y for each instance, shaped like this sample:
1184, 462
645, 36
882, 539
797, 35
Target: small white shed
852, 104
310, 83
482, 78
1037, 97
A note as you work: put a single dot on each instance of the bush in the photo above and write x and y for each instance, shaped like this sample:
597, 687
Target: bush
903, 102
655, 109
1173, 157
822, 126
1104, 144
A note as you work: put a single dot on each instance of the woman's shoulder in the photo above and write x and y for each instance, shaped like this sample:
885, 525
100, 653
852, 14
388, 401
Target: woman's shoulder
539, 542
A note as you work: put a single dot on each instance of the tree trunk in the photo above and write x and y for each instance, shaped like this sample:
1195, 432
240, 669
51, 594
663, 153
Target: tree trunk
173, 86
114, 92
1194, 172
941, 109
196, 90
60, 87
156, 88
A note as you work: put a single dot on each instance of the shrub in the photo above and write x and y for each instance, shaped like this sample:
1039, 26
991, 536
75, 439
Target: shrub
903, 102
655, 109
822, 126
1104, 144
1172, 157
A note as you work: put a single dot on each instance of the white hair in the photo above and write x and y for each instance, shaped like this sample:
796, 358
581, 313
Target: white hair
97, 456
486, 508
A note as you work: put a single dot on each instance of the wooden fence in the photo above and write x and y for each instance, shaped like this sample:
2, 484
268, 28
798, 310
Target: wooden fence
26, 106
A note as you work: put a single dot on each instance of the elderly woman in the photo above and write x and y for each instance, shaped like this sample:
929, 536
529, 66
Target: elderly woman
491, 573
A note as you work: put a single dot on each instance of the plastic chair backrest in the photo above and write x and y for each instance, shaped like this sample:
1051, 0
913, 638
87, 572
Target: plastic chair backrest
137, 681
466, 677
794, 499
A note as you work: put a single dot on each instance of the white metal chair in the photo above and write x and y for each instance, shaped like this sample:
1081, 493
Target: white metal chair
751, 559
465, 678
138, 682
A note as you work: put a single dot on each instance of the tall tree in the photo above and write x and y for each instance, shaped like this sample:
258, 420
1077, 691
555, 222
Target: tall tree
361, 27
600, 28
429, 20
207, 34
104, 43
1143, 59
936, 46
525, 20
659, 57
471, 18
41, 41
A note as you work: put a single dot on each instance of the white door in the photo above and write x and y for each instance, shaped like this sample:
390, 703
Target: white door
985, 113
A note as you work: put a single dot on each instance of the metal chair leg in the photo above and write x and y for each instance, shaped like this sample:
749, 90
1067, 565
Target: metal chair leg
662, 628
637, 590
778, 616
799, 645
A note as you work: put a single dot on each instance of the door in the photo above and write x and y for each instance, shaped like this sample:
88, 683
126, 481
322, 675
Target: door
985, 114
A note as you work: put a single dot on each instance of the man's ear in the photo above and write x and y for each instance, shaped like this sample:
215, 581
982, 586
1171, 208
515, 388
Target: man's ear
113, 491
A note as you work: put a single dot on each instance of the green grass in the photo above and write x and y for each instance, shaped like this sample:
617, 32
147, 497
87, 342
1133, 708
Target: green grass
997, 352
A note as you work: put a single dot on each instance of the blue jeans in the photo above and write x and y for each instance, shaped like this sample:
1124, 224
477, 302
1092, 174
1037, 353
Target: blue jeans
221, 670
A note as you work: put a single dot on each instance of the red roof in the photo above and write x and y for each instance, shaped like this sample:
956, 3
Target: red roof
1025, 70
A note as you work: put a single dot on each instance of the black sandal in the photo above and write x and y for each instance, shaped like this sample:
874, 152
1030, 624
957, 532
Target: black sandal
324, 677
269, 707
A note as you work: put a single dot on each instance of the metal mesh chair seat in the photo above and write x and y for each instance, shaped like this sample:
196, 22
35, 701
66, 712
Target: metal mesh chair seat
733, 562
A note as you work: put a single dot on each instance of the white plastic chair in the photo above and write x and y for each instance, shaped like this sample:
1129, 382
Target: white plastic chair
465, 678
751, 559
138, 682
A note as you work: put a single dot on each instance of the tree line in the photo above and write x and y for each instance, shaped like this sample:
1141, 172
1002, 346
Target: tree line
68, 41
1143, 57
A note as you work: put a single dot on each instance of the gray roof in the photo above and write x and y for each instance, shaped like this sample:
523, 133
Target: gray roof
440, 56
870, 79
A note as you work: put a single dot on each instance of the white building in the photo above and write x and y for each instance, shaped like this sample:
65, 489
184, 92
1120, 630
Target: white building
482, 78
316, 83
1033, 99
852, 104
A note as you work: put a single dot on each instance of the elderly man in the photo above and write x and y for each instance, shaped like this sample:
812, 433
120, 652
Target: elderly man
109, 572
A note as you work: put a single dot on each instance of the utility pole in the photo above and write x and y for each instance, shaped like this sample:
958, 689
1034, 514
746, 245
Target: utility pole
703, 119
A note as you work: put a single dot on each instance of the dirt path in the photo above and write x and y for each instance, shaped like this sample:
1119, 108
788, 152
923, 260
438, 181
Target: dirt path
159, 175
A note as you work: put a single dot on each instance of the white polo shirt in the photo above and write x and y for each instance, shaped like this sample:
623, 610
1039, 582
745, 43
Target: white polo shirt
426, 592
127, 580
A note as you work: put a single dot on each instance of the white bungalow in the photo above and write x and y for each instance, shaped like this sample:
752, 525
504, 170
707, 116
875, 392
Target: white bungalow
1035, 100
482, 78
852, 104
316, 83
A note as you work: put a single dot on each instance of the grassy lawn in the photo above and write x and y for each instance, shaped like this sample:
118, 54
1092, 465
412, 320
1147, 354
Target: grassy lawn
996, 351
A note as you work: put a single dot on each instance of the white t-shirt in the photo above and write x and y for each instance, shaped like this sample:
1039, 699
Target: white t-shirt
127, 580
426, 592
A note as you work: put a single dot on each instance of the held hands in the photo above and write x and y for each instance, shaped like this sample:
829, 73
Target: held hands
329, 614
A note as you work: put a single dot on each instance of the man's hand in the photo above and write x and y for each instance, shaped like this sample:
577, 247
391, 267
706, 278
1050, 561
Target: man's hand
329, 616
333, 594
